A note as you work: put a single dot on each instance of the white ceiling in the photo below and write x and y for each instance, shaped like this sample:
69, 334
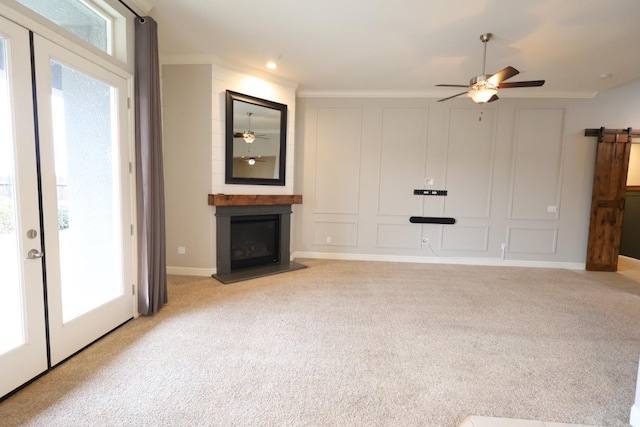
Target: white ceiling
409, 46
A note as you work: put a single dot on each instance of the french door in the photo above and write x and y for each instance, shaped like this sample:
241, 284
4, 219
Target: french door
65, 191
23, 351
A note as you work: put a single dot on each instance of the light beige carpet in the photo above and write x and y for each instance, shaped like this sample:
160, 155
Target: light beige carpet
358, 343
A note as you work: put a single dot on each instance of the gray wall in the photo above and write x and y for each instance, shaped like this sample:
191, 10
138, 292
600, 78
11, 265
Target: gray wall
186, 93
507, 167
357, 162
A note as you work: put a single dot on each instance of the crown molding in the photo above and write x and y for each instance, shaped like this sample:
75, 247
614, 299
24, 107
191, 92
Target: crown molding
440, 94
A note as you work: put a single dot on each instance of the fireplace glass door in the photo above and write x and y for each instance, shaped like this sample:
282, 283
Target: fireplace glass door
255, 240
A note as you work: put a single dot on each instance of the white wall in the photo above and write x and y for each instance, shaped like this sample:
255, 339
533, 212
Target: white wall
506, 167
225, 79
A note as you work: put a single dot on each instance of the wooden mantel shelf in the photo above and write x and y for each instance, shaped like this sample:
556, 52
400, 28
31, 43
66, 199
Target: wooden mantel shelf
254, 199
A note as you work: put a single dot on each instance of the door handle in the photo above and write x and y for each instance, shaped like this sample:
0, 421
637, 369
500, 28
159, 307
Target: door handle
34, 254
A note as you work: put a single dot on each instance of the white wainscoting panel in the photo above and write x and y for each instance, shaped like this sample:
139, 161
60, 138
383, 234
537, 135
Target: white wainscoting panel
401, 236
532, 240
465, 238
470, 155
402, 160
337, 160
335, 233
538, 141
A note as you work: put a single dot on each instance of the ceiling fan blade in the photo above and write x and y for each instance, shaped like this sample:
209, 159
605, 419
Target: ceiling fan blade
502, 75
238, 135
493, 98
531, 83
461, 93
444, 85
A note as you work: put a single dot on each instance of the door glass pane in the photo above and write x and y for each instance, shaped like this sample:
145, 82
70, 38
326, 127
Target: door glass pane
11, 298
75, 17
88, 202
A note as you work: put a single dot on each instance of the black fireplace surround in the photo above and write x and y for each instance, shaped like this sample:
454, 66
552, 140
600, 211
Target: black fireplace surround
252, 241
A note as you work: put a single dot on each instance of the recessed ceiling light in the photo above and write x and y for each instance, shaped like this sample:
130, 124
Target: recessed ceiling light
272, 65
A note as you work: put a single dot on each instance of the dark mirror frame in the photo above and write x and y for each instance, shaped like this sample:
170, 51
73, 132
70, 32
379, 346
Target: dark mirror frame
229, 130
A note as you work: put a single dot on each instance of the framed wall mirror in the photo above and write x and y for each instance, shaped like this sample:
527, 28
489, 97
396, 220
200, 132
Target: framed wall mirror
256, 139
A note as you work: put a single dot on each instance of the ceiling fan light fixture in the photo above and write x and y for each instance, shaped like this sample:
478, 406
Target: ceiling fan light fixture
248, 137
251, 161
482, 95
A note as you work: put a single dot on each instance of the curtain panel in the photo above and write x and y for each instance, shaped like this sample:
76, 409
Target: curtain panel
152, 269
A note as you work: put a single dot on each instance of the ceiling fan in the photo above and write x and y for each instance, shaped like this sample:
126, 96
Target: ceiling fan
249, 136
250, 160
484, 88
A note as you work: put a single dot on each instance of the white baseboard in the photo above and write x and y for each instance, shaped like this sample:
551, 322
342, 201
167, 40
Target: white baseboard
191, 271
495, 262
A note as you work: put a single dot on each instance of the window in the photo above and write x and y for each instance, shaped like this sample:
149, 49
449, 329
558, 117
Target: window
78, 17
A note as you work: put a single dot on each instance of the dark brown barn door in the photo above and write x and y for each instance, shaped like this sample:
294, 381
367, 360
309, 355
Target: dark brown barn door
607, 201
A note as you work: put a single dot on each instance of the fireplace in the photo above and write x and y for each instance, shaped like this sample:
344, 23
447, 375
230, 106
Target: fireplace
252, 240
255, 240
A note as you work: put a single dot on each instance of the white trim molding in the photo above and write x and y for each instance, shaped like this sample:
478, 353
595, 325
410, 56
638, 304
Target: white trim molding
493, 262
190, 271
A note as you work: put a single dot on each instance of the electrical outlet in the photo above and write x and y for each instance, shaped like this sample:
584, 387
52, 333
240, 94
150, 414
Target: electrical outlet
425, 240
182, 250
328, 239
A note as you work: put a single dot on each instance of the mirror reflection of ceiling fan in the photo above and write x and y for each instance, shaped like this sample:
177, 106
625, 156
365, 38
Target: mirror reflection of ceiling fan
250, 160
249, 136
484, 88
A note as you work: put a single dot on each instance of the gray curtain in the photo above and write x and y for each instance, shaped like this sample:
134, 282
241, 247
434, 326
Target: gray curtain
152, 263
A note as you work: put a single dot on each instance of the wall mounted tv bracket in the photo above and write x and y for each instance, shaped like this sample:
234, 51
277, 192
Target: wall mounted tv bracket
430, 192
431, 219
